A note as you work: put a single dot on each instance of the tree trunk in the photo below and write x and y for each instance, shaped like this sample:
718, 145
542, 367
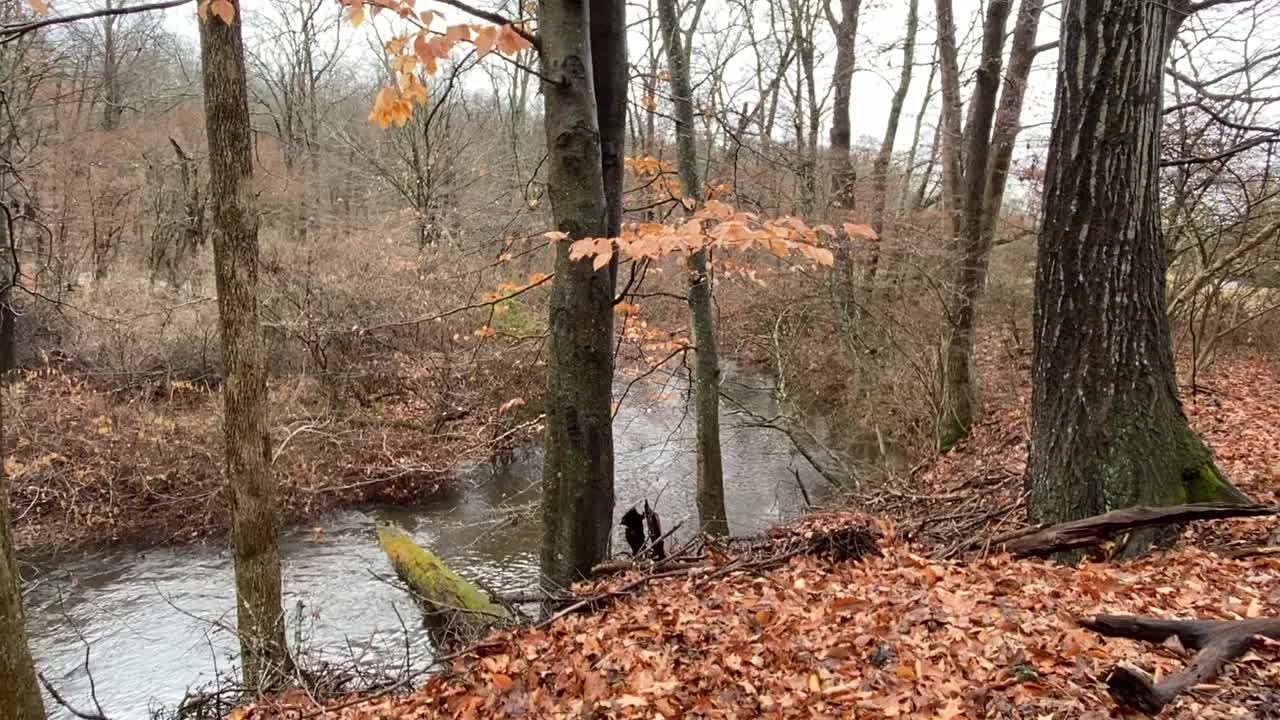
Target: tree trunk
915, 136
610, 77
949, 123
577, 484
254, 523
960, 392
845, 29
112, 100
1108, 429
19, 693
8, 278
712, 517
880, 173
1008, 122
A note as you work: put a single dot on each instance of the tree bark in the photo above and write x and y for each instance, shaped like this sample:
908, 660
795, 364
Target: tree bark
1108, 429
1008, 122
960, 393
20, 697
8, 278
577, 484
712, 517
264, 653
880, 172
949, 123
845, 29
610, 77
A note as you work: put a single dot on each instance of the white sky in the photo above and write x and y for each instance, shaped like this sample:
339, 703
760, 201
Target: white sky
882, 27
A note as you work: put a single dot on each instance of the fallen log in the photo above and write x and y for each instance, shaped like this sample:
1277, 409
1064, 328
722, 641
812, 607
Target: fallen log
453, 608
1043, 541
1217, 643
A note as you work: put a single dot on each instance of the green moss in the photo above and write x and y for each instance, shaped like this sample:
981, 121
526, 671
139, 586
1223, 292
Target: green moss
447, 592
1204, 484
954, 432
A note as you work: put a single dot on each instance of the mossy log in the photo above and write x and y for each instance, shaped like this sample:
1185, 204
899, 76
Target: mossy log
451, 604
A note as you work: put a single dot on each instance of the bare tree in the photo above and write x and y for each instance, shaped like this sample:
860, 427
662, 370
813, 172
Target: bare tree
265, 660
577, 482
710, 468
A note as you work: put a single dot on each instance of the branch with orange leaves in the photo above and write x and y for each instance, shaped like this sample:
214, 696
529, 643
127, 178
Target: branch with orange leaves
714, 225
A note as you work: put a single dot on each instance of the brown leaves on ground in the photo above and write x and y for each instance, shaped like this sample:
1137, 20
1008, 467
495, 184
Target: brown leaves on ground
978, 485
94, 464
897, 636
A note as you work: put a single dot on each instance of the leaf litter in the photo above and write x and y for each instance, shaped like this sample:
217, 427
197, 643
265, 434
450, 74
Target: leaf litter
900, 634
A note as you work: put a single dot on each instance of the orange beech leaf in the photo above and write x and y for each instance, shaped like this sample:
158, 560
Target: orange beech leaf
40, 7
224, 9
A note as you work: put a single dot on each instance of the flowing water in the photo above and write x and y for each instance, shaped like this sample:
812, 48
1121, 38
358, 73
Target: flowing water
156, 622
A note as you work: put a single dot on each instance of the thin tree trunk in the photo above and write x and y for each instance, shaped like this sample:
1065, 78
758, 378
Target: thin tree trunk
845, 29
915, 136
111, 95
949, 124
8, 278
1008, 120
712, 517
254, 522
1108, 429
880, 172
577, 480
19, 692
609, 62
960, 393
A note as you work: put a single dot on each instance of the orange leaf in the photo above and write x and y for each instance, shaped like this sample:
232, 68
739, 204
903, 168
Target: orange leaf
457, 33
503, 682
224, 9
486, 38
511, 42
40, 6
861, 230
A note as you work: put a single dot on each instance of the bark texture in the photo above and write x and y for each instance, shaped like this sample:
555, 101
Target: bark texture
961, 387
712, 517
845, 28
8, 278
880, 171
609, 66
577, 480
264, 654
19, 692
1108, 429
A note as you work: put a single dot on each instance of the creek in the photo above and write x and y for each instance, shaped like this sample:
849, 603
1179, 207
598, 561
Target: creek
157, 622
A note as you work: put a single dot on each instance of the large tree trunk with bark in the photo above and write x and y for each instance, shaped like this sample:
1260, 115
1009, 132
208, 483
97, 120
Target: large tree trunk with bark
264, 658
712, 517
577, 480
19, 693
1108, 429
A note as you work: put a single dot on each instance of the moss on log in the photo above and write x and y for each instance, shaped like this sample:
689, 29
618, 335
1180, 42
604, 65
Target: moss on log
450, 603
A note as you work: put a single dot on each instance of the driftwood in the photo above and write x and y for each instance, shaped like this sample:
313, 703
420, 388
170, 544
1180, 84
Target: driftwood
1216, 642
1074, 534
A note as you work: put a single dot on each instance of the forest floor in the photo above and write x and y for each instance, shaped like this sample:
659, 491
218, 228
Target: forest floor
90, 465
934, 627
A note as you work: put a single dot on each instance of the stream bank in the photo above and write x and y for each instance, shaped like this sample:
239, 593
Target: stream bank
157, 621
